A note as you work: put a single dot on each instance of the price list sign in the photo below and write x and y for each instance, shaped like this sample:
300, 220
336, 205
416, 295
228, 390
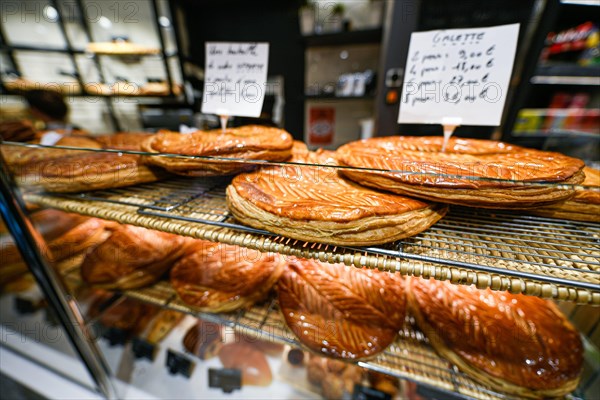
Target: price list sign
235, 78
461, 74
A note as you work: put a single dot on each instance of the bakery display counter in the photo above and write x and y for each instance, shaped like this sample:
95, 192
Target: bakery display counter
489, 248
152, 182
410, 357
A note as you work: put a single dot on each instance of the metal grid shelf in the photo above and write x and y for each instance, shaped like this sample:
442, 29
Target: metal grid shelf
497, 249
409, 357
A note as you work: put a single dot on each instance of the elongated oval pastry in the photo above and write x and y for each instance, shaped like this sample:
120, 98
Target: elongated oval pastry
464, 174
219, 277
340, 311
251, 362
251, 142
314, 204
132, 257
23, 160
517, 344
89, 172
583, 206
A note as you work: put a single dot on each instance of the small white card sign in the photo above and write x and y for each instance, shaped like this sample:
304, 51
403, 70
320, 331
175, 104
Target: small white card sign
235, 78
458, 73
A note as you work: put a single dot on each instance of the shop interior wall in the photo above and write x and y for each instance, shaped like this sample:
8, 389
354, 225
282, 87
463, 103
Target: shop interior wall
270, 21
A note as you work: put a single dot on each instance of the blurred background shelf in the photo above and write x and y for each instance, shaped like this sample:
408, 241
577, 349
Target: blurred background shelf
365, 36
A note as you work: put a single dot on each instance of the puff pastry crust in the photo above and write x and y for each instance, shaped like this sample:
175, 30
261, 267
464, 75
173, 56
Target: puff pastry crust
517, 344
583, 206
89, 172
313, 203
417, 163
132, 257
217, 277
340, 311
22, 160
123, 140
251, 142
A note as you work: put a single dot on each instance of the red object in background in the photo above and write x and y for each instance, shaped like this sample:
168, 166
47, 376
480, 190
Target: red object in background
573, 39
321, 125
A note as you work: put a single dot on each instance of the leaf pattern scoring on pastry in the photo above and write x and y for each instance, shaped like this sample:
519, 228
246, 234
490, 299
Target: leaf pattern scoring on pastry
340, 311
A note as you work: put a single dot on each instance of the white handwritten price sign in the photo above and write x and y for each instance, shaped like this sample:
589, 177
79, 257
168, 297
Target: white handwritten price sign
458, 73
235, 78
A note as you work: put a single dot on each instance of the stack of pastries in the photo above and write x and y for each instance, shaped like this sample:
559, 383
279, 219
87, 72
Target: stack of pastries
70, 170
218, 152
583, 206
314, 203
470, 172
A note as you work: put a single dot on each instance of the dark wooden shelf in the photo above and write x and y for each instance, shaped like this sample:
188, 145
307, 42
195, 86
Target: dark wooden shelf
365, 36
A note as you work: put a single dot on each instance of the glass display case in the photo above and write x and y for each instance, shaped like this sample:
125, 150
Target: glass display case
140, 341
187, 265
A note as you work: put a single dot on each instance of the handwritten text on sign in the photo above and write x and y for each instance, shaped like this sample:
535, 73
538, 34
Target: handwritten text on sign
459, 73
235, 78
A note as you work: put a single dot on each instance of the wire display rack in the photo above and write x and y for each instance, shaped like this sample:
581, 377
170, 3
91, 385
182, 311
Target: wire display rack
497, 249
409, 357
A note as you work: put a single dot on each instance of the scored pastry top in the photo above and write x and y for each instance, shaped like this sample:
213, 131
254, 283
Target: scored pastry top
523, 339
468, 158
341, 311
90, 165
131, 250
215, 274
317, 192
217, 143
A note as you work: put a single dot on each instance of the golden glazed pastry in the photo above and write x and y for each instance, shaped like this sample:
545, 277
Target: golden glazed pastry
220, 278
317, 205
123, 140
89, 172
516, 344
252, 362
339, 311
24, 160
132, 257
204, 339
83, 237
335, 379
583, 206
65, 235
299, 148
467, 159
251, 142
